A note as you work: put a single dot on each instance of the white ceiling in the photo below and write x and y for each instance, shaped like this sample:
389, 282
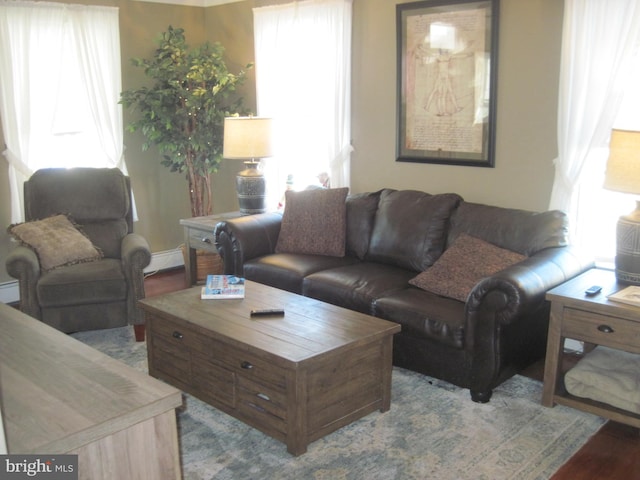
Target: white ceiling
193, 3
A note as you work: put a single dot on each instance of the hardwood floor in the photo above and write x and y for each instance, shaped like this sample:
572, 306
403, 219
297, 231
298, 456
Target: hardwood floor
613, 453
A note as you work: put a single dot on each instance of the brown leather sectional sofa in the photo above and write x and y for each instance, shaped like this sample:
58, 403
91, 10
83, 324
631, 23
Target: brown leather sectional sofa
394, 235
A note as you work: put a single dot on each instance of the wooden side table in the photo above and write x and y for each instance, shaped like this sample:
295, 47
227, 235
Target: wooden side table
198, 235
595, 321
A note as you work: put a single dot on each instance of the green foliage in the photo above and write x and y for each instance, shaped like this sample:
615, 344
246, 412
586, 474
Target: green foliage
182, 113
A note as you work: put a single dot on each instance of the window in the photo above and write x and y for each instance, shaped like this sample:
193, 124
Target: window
600, 72
303, 78
60, 84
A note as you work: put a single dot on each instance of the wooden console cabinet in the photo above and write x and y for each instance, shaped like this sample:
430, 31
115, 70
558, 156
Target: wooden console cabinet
60, 396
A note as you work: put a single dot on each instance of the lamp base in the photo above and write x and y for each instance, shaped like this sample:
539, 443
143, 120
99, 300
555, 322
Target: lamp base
251, 188
628, 248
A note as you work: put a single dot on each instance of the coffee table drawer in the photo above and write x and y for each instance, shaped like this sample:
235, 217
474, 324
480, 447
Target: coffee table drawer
266, 407
217, 382
243, 363
178, 335
172, 361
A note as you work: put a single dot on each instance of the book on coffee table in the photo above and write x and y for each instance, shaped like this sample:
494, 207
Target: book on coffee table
629, 295
222, 286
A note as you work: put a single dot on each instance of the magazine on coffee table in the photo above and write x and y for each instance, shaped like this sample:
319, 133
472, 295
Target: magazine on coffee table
222, 286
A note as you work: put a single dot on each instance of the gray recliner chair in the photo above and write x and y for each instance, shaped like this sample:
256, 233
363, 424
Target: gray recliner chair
85, 296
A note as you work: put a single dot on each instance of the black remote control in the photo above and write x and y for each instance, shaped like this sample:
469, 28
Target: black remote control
272, 312
591, 291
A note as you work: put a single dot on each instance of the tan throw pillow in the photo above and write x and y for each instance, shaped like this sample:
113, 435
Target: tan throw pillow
56, 241
463, 265
314, 222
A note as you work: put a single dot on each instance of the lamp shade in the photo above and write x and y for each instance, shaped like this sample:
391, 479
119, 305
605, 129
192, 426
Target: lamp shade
623, 166
247, 137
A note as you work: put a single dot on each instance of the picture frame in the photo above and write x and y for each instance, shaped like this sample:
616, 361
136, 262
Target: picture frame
446, 73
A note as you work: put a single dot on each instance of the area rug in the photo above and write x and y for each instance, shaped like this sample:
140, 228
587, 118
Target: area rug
432, 431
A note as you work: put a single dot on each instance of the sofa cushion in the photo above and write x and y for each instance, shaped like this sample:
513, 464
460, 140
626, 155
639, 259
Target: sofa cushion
95, 282
516, 230
287, 270
361, 214
56, 241
463, 265
355, 286
424, 315
314, 222
410, 228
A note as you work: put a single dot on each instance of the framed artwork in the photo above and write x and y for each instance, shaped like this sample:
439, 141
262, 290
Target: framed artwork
447, 70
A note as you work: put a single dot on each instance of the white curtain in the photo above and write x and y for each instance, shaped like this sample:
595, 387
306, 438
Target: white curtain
599, 44
303, 81
60, 83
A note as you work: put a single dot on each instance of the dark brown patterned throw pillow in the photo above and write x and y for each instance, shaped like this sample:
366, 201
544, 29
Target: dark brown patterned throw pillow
314, 222
463, 265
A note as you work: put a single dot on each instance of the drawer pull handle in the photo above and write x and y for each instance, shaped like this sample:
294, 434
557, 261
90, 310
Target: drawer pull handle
206, 240
257, 407
263, 396
246, 365
605, 329
177, 335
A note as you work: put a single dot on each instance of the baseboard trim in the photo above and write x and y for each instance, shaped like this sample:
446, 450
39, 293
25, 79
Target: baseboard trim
10, 293
165, 260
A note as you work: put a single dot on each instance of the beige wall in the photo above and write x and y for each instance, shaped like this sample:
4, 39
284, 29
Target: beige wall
530, 35
529, 52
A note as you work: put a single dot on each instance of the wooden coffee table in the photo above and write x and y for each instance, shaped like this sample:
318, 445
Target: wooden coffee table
295, 378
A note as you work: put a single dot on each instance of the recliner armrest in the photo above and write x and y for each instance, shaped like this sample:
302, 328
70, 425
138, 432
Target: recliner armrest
136, 255
243, 238
22, 263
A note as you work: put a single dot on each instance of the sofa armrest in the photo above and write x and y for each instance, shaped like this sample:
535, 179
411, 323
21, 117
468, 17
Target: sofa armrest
513, 301
136, 255
522, 287
243, 238
22, 263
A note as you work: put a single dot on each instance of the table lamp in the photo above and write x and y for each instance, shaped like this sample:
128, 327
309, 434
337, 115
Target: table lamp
249, 139
623, 175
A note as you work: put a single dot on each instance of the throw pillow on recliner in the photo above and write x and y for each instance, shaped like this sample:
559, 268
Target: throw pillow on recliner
314, 222
463, 265
56, 241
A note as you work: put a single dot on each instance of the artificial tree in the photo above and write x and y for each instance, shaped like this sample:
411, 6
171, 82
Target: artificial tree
182, 113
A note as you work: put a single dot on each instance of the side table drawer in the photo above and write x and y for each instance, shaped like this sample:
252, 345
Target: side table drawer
601, 329
203, 240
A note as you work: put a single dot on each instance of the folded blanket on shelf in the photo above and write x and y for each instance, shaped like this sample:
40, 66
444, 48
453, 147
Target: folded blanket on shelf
609, 376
